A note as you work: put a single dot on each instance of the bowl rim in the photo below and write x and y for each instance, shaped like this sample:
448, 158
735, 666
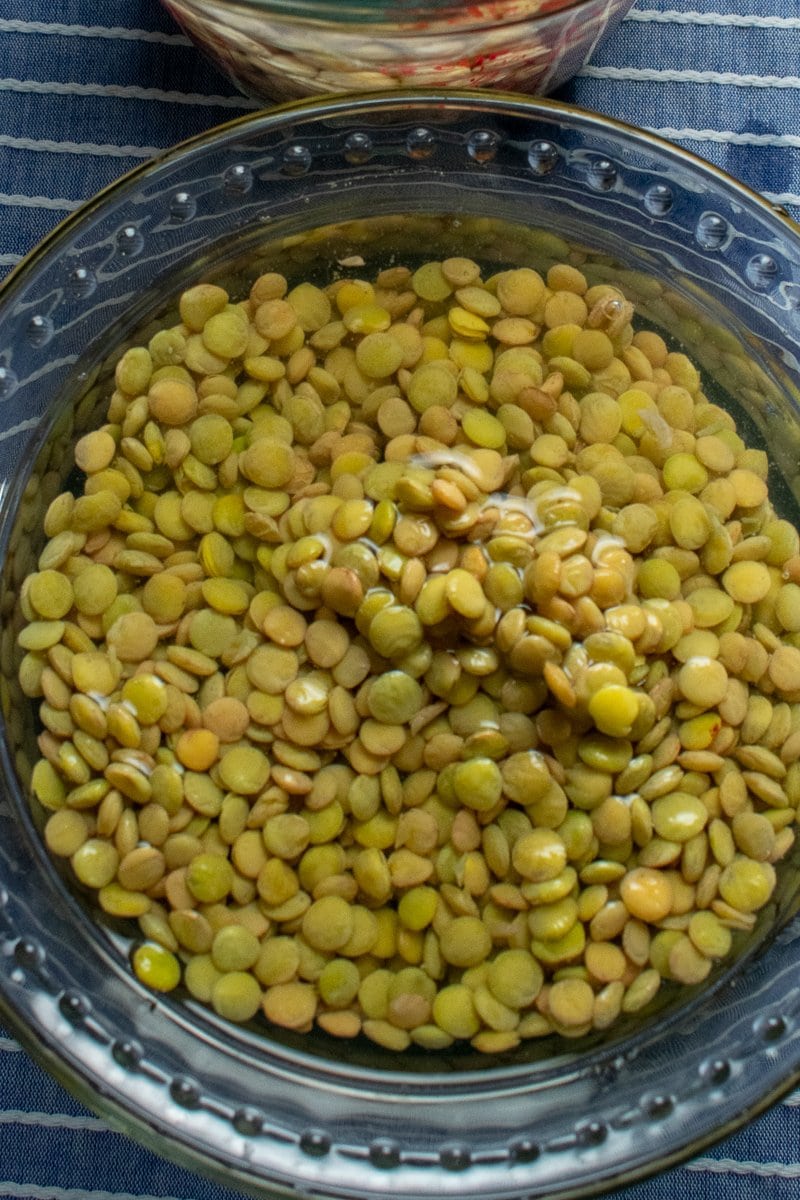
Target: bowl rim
407, 19
335, 102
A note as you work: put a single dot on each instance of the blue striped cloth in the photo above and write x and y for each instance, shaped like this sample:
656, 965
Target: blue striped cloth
87, 96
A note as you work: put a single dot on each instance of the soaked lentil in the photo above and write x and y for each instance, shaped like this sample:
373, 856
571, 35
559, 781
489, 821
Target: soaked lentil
421, 659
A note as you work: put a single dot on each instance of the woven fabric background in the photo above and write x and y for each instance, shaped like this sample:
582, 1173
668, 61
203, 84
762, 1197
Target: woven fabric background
88, 91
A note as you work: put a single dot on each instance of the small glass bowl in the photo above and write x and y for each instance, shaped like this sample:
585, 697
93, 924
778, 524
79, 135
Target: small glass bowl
284, 49
312, 189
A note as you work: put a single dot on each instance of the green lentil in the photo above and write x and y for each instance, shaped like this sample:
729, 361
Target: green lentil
156, 967
209, 878
234, 948
236, 996
394, 696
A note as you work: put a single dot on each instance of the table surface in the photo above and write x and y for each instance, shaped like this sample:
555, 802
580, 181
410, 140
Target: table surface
84, 99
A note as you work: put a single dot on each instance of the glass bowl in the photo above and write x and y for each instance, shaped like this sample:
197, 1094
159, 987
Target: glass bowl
308, 189
283, 49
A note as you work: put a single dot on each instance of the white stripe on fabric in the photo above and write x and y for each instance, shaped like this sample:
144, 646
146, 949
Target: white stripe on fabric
7, 1044
45, 1120
99, 149
34, 1191
12, 200
651, 75
670, 16
115, 32
732, 1166
782, 197
9, 260
5, 434
728, 135
55, 88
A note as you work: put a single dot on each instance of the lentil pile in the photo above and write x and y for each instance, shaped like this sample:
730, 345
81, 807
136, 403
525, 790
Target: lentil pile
420, 658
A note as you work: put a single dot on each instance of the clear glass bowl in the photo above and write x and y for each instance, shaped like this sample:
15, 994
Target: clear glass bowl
301, 189
286, 49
